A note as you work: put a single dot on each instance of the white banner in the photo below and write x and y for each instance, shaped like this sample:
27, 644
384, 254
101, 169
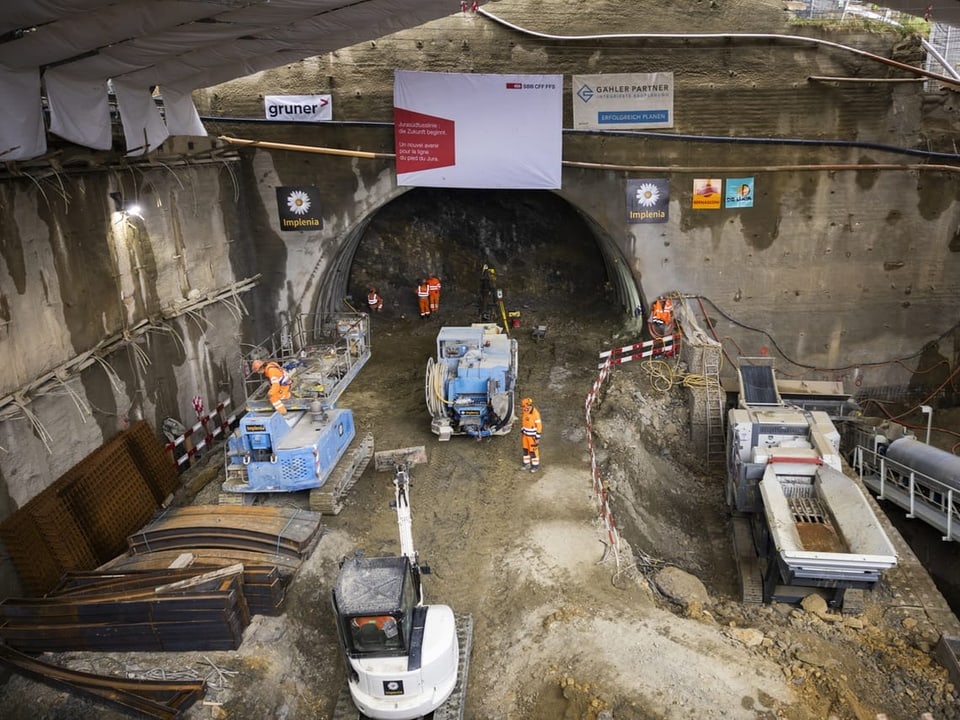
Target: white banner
625, 101
478, 131
298, 108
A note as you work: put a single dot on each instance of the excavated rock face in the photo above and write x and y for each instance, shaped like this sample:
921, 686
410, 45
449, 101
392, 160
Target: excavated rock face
543, 253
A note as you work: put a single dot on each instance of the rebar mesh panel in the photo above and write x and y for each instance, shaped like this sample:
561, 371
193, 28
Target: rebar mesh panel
111, 501
36, 566
151, 457
63, 534
83, 519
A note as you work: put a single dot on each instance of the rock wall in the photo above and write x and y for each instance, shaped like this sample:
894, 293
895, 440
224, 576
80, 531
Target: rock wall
95, 329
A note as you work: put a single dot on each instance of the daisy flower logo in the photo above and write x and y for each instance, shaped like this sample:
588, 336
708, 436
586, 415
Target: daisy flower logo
647, 195
298, 202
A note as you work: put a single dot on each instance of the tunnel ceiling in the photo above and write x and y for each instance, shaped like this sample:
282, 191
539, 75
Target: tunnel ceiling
58, 56
192, 43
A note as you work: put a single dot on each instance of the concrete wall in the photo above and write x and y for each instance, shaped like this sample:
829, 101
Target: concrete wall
833, 268
78, 280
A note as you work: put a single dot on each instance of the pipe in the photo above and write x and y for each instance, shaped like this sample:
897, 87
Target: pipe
643, 134
828, 78
303, 148
628, 168
802, 142
731, 36
928, 411
762, 168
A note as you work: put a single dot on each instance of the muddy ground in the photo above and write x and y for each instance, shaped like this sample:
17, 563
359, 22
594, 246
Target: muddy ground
564, 628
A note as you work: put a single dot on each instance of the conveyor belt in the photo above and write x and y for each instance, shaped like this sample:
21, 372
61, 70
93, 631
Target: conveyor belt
748, 564
757, 385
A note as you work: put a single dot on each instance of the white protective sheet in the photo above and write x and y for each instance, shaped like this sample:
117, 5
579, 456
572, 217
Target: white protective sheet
181, 113
22, 134
143, 126
79, 111
178, 45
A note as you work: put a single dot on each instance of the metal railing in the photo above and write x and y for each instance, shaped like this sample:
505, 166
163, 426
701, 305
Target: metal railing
328, 349
922, 496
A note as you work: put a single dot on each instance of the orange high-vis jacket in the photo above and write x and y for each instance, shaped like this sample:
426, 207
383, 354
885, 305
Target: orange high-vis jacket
531, 424
531, 427
662, 310
423, 299
433, 289
279, 385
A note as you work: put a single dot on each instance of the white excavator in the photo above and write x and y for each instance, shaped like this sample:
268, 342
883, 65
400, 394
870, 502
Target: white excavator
404, 659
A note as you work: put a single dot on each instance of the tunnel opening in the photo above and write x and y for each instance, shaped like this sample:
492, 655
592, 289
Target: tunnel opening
547, 257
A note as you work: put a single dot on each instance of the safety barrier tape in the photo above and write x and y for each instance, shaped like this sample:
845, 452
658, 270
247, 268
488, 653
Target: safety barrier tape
210, 434
666, 346
601, 494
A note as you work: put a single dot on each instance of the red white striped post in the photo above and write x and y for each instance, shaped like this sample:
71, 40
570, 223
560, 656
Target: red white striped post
600, 492
221, 424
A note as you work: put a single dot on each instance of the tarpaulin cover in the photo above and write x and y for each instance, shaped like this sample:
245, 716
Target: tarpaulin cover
21, 123
79, 108
76, 46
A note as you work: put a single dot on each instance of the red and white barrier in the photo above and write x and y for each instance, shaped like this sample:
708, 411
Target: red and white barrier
185, 447
600, 491
667, 346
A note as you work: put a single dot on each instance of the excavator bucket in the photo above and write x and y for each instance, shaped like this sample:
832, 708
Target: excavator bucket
391, 459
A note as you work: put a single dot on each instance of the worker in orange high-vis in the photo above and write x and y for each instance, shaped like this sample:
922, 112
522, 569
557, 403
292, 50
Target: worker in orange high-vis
374, 300
375, 632
423, 298
279, 382
661, 314
433, 290
531, 428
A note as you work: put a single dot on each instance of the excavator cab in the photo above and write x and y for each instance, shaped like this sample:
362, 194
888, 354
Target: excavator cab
375, 601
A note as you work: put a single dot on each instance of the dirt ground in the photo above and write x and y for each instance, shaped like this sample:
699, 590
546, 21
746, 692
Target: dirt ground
564, 627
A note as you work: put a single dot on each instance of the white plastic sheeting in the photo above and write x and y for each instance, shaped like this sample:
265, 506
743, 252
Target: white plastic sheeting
76, 46
21, 126
79, 108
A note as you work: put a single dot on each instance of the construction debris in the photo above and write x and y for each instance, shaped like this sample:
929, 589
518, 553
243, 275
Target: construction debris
164, 699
